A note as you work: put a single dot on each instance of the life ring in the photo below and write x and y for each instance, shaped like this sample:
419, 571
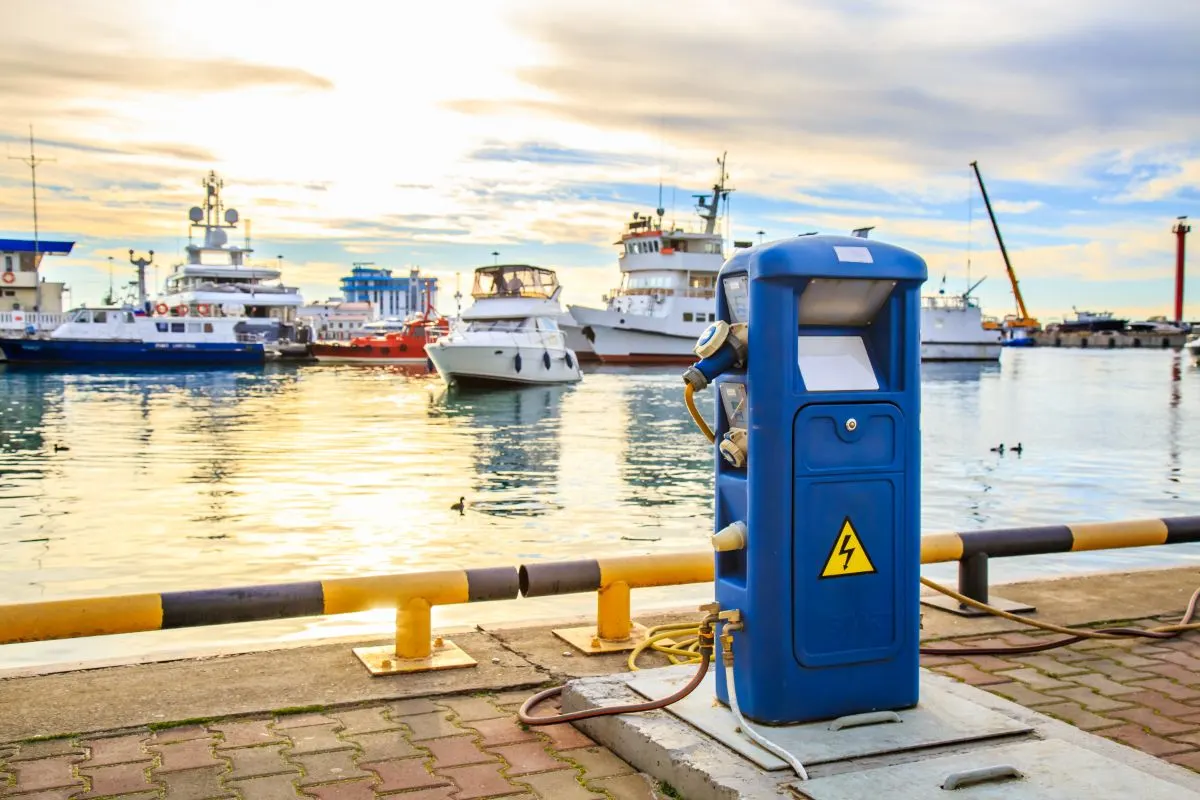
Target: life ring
202, 309
161, 309
181, 310
9, 277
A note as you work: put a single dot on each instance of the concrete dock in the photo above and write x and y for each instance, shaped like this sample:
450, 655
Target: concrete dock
1109, 340
310, 722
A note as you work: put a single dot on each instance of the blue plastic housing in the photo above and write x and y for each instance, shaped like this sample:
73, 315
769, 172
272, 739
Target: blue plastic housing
819, 642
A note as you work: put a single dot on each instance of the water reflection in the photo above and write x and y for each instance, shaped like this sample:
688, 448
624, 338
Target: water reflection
515, 446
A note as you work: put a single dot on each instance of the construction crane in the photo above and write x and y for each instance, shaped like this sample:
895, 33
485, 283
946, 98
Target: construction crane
1022, 319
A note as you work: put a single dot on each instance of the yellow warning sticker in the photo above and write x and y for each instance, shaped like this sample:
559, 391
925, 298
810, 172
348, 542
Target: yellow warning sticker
848, 556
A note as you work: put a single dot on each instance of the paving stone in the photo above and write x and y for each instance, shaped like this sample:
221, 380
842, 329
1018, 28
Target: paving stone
564, 736
53, 772
1190, 738
1191, 760
1018, 639
514, 698
383, 746
408, 708
408, 773
468, 709
1128, 659
1182, 659
1170, 688
599, 762
1176, 673
429, 726
1020, 693
198, 784
59, 794
274, 787
1077, 716
1033, 679
118, 779
182, 733
326, 767
939, 661
1135, 737
627, 787
192, 754
480, 780
441, 793
1160, 703
1152, 650
1157, 724
455, 751
256, 762
1090, 699
116, 750
562, 784
288, 721
527, 758
1103, 684
28, 751
989, 663
1118, 672
1049, 665
968, 673
362, 789
364, 720
316, 739
246, 734
504, 730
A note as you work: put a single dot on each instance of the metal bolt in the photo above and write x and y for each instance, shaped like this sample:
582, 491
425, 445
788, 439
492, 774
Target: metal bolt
387, 663
438, 642
596, 642
851, 424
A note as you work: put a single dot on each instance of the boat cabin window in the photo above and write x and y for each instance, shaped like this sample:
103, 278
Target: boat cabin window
545, 324
514, 280
687, 316
82, 316
503, 325
100, 316
177, 327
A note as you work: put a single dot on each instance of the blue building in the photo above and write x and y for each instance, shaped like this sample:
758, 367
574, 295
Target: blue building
389, 296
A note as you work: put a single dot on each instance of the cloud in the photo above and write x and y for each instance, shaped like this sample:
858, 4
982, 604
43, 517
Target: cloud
1172, 181
1017, 207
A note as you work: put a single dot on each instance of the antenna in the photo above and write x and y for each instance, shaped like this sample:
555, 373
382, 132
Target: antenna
33, 162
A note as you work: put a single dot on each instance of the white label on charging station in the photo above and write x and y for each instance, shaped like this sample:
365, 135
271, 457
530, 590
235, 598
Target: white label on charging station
860, 255
835, 364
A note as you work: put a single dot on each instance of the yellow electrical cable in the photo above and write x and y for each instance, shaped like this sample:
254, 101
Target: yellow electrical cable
690, 402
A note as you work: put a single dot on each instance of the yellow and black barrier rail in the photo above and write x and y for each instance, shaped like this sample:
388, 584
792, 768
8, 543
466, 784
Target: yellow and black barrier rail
412, 595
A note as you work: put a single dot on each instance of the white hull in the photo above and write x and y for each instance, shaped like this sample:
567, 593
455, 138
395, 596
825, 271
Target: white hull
637, 339
488, 363
947, 351
575, 339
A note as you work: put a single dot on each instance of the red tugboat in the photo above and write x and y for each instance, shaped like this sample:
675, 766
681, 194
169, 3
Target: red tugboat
406, 346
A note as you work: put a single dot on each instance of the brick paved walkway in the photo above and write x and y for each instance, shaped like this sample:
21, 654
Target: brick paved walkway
1140, 692
458, 747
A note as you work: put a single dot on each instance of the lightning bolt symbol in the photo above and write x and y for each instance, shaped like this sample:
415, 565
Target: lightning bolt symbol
846, 550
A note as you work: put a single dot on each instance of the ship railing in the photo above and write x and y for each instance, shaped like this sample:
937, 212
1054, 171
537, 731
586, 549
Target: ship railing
648, 291
21, 320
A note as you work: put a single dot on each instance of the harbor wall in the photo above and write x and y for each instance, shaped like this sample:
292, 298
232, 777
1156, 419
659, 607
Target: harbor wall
1110, 340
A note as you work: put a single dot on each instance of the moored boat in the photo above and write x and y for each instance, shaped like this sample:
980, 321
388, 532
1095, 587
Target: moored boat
510, 334
123, 336
952, 330
404, 346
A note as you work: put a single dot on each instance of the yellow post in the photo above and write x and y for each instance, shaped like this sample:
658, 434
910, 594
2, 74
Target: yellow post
612, 612
414, 628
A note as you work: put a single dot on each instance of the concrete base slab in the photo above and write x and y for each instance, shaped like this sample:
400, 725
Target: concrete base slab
947, 603
939, 719
700, 767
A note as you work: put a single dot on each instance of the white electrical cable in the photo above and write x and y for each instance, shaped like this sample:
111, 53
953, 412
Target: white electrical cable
755, 736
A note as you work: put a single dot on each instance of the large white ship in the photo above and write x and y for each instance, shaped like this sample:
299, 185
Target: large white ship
952, 329
668, 280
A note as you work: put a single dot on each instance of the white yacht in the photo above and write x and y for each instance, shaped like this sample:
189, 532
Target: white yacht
509, 335
952, 329
1193, 347
668, 279
217, 280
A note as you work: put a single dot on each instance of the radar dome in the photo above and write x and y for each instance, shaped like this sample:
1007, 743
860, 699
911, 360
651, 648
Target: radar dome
196, 214
216, 238
231, 215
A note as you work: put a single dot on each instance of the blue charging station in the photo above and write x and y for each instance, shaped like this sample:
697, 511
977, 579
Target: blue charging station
816, 361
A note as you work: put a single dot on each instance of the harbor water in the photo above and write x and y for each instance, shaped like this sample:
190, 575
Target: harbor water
145, 481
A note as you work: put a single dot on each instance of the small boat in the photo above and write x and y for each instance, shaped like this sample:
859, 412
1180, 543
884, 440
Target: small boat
510, 335
124, 336
952, 329
1091, 322
403, 346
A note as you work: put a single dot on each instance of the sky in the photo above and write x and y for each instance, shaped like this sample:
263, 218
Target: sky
434, 134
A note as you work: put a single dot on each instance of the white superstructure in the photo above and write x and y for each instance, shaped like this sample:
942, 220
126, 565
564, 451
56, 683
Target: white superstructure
216, 277
952, 330
509, 335
668, 285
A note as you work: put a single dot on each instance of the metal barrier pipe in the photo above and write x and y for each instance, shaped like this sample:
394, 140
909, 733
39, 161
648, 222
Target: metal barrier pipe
412, 594
612, 578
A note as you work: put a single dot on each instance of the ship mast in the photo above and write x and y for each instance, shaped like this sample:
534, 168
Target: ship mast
710, 210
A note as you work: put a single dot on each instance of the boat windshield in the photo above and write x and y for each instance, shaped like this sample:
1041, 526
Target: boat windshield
501, 325
514, 280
